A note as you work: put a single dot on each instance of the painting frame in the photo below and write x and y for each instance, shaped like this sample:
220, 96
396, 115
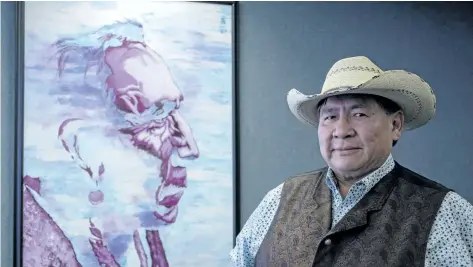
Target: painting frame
20, 117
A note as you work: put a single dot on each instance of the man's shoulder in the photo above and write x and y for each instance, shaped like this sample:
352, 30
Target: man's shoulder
309, 174
419, 181
305, 177
301, 178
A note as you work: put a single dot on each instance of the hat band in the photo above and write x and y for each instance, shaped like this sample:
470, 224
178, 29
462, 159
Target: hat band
339, 89
354, 68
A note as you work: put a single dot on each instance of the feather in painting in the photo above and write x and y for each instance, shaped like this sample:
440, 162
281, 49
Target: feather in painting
128, 134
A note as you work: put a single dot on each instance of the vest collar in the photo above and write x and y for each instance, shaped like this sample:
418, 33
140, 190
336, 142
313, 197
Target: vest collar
373, 201
367, 182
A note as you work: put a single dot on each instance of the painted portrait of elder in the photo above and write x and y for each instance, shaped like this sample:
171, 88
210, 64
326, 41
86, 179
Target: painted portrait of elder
126, 146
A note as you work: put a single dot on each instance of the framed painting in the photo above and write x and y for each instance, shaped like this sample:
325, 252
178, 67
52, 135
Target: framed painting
127, 134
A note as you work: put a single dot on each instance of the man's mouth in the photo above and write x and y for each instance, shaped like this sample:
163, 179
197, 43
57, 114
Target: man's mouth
345, 148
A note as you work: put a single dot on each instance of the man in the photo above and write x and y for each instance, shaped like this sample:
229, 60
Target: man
364, 209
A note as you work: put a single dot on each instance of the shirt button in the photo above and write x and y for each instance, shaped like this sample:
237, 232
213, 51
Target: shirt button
328, 242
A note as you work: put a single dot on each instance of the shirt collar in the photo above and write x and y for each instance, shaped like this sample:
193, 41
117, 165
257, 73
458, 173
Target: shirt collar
368, 181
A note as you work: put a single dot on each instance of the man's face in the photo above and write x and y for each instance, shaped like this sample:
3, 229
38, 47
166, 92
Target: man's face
355, 134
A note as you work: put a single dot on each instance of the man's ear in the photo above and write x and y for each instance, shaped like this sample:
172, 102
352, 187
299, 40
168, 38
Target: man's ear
397, 124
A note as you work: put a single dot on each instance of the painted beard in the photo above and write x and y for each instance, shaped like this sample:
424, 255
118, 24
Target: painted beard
159, 138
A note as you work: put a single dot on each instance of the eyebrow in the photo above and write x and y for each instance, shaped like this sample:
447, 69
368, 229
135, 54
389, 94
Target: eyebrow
325, 109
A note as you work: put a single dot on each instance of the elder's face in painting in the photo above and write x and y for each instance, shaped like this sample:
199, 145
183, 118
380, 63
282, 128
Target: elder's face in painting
150, 102
126, 193
147, 95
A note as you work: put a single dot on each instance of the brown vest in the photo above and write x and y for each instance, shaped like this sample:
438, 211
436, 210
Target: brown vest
390, 226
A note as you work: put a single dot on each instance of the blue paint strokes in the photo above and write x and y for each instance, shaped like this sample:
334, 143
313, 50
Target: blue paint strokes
119, 244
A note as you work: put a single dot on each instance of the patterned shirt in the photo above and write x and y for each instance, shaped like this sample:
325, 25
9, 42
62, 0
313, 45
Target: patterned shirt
450, 242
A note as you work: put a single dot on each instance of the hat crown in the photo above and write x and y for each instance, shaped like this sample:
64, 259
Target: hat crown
350, 72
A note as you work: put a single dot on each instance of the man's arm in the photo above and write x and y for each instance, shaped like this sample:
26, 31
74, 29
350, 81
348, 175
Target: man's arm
451, 239
254, 230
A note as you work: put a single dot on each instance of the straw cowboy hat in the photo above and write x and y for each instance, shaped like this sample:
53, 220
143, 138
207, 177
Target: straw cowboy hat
359, 75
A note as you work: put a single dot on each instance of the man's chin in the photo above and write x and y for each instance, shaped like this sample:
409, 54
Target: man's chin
346, 165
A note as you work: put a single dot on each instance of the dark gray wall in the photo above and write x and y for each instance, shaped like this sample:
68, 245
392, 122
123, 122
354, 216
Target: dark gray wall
284, 45
9, 49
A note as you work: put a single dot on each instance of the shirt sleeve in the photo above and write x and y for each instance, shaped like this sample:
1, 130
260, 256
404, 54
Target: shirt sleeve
451, 239
254, 230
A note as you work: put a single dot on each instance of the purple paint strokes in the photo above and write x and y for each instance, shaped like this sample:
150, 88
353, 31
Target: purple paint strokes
75, 145
158, 256
87, 170
44, 241
101, 252
140, 250
163, 171
63, 124
189, 149
100, 172
66, 147
101, 169
33, 183
104, 257
171, 200
165, 151
96, 197
128, 90
94, 231
177, 176
61, 132
168, 217
76, 148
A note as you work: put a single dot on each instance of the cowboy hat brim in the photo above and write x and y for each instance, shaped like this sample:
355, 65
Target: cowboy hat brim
413, 95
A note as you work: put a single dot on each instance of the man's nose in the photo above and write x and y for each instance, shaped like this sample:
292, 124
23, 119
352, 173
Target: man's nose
343, 129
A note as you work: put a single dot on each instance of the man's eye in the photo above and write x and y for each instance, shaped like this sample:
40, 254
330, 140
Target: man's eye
329, 118
359, 115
